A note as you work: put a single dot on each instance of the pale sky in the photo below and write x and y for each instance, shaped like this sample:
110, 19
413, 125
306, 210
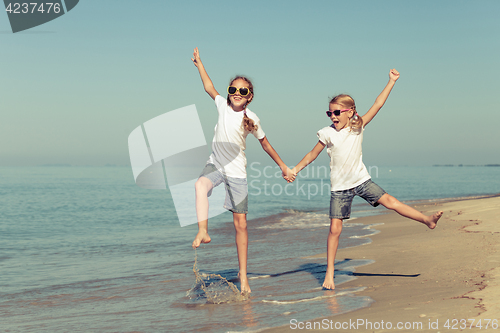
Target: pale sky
73, 89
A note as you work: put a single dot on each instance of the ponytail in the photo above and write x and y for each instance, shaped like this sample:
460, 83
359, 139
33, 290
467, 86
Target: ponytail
247, 123
356, 122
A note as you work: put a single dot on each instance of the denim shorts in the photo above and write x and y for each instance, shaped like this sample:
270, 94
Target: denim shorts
340, 201
236, 189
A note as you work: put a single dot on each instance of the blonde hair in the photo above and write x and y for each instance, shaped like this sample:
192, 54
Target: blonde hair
355, 122
247, 123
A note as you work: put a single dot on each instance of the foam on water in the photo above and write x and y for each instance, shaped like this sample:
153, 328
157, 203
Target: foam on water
300, 220
369, 230
317, 298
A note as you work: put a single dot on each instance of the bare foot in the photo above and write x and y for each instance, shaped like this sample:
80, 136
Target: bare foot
328, 283
431, 221
245, 287
201, 237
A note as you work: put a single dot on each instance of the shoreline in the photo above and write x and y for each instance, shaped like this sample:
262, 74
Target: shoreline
425, 276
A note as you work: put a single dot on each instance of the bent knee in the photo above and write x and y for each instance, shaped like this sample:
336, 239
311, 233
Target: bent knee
388, 201
203, 185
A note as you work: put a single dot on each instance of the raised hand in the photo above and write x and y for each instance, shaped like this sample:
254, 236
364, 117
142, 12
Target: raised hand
394, 74
196, 57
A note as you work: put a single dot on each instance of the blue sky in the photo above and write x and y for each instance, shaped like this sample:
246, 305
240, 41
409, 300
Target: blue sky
73, 89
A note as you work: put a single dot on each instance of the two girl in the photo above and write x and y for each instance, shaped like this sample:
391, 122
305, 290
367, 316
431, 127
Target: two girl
227, 163
348, 174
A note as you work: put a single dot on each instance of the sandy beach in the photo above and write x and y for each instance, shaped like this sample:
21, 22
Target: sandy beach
446, 279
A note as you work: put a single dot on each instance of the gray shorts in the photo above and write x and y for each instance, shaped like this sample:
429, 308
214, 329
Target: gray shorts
236, 189
340, 201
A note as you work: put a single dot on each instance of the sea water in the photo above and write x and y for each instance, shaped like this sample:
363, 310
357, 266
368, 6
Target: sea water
83, 249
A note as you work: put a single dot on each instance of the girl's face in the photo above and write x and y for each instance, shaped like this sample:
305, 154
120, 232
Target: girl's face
341, 121
238, 102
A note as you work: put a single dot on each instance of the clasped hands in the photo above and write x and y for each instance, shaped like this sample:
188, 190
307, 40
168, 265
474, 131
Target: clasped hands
289, 174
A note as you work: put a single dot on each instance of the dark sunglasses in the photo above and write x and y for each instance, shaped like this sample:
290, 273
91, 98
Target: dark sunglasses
335, 112
243, 91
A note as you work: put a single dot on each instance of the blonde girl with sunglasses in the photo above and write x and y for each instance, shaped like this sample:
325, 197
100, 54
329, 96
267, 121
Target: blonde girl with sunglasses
227, 163
348, 175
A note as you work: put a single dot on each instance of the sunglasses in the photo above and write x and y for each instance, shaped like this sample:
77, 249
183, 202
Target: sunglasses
335, 112
243, 91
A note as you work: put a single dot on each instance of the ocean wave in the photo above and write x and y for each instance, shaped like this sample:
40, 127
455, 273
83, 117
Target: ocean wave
301, 220
316, 298
371, 231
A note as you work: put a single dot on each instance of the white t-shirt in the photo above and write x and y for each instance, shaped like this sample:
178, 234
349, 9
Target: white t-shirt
229, 143
346, 158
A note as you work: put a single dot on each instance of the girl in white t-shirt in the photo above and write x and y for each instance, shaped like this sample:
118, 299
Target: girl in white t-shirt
348, 174
227, 163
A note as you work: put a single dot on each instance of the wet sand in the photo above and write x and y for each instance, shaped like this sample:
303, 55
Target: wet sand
449, 274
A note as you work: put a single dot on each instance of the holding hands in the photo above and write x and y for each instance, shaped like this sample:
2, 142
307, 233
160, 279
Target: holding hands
288, 174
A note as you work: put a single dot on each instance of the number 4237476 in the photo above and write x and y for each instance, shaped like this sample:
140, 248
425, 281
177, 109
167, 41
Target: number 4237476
455, 324
32, 7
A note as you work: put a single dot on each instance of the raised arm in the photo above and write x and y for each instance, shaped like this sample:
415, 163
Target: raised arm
309, 158
380, 101
207, 83
285, 171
